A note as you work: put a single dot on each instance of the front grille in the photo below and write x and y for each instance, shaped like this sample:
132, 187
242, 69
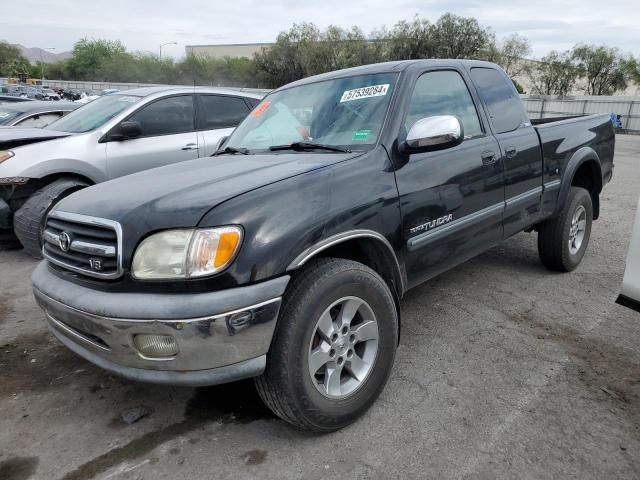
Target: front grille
83, 244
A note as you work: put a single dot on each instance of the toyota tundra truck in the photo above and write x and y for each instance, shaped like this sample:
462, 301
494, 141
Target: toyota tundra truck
285, 256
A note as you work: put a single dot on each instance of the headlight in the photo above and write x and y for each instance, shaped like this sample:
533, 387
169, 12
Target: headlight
186, 253
5, 155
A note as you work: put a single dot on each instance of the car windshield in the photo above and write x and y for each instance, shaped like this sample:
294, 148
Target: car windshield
346, 112
94, 114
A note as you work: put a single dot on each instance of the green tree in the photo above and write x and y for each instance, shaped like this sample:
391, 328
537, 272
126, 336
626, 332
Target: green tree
90, 55
410, 40
554, 74
12, 62
604, 69
459, 37
511, 52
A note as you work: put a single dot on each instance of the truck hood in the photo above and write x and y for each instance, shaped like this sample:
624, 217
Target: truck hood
12, 137
179, 195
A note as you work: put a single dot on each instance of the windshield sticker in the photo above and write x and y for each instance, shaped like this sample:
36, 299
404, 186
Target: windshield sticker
360, 135
128, 99
260, 109
365, 92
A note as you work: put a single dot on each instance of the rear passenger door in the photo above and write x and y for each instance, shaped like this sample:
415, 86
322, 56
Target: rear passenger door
168, 136
451, 200
519, 144
217, 117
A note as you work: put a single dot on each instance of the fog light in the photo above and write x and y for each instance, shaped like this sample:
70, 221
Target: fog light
155, 346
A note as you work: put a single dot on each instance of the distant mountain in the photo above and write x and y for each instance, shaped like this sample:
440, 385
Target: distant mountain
35, 54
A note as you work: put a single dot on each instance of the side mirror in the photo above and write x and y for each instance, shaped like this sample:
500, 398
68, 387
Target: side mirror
433, 133
126, 130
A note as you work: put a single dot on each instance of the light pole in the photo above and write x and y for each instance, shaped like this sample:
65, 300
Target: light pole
41, 62
163, 44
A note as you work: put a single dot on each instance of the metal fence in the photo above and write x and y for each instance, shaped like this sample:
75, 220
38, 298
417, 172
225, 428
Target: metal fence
99, 86
538, 106
628, 108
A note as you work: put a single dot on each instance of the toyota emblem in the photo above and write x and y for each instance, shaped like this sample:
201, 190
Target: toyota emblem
64, 241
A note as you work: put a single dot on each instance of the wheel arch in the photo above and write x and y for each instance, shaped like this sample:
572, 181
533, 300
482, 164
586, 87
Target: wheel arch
367, 247
583, 170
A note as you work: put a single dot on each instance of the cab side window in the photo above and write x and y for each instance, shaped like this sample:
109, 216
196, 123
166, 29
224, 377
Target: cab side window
167, 116
501, 98
443, 92
219, 111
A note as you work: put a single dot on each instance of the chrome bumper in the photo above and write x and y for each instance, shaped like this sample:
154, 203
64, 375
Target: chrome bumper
228, 344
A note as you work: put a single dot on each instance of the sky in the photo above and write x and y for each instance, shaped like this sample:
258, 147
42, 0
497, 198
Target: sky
142, 25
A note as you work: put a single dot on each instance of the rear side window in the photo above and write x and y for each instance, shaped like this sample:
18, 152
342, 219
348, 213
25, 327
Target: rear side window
218, 111
41, 120
501, 99
443, 92
166, 116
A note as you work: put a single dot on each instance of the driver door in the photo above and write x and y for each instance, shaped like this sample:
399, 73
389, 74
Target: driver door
451, 200
168, 135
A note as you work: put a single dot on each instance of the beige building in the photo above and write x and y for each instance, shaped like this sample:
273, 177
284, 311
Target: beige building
233, 50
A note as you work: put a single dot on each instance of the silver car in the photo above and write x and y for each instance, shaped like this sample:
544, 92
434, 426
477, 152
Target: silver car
114, 135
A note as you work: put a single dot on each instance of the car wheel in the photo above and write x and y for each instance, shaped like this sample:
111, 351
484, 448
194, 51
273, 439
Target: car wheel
563, 240
333, 348
28, 221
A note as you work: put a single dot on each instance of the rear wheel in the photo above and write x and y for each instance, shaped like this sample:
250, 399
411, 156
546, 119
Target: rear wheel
563, 240
28, 221
334, 346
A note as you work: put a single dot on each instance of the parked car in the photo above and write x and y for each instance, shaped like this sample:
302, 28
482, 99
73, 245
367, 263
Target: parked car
286, 256
26, 91
47, 94
112, 136
37, 114
630, 291
13, 99
71, 94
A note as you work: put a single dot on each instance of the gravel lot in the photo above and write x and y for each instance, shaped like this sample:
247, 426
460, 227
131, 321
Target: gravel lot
505, 371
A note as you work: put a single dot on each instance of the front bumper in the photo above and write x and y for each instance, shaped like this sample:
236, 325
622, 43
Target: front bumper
221, 336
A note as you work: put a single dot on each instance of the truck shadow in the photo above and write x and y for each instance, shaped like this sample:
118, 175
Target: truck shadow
232, 403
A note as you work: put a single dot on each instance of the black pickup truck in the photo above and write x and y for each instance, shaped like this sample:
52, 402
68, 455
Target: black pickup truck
285, 256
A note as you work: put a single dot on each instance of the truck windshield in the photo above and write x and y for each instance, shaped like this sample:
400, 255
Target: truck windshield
345, 112
94, 114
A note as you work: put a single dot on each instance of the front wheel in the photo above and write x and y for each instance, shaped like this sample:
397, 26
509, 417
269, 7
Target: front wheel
28, 221
334, 346
563, 240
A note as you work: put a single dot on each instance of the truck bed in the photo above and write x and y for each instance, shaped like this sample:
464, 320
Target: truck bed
562, 137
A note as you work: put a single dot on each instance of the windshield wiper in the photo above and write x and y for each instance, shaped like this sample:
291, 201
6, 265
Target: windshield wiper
243, 151
300, 146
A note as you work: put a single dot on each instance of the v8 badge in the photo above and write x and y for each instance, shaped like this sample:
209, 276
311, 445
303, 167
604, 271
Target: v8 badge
96, 264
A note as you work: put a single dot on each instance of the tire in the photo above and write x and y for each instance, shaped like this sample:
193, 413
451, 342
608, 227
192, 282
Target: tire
555, 234
28, 221
287, 386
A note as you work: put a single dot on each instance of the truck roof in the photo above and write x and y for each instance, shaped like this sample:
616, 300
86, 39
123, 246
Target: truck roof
387, 67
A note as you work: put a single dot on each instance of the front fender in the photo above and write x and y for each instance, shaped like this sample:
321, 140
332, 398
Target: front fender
64, 165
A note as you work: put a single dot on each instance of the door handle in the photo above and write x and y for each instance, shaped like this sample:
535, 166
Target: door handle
510, 151
489, 157
190, 146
